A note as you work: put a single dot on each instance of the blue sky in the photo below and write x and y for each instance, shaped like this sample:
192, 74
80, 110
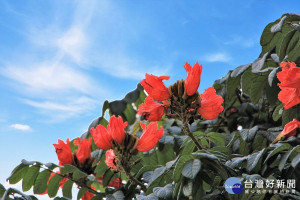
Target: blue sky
59, 60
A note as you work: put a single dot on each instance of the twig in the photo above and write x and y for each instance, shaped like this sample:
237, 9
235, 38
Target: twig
132, 179
186, 130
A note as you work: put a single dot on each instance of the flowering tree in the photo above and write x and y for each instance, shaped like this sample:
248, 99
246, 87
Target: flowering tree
178, 144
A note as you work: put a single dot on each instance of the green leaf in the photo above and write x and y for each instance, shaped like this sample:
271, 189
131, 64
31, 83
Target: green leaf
177, 189
254, 161
236, 162
165, 154
130, 114
78, 174
188, 188
259, 143
249, 134
157, 173
267, 35
67, 189
201, 154
286, 156
108, 177
278, 148
100, 169
217, 138
164, 192
191, 168
246, 78
2, 190
145, 169
54, 185
105, 107
18, 173
243, 148
188, 148
29, 177
40, 184
117, 107
118, 195
232, 83
179, 165
289, 114
277, 112
81, 192
284, 44
258, 83
51, 166
66, 169
295, 161
239, 70
141, 98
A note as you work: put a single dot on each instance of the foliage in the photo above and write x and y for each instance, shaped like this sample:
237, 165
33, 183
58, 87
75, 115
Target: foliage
177, 168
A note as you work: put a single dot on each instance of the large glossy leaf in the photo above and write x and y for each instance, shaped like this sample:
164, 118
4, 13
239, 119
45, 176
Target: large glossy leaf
164, 192
286, 156
67, 189
191, 168
278, 148
180, 163
53, 185
40, 184
18, 173
254, 161
29, 177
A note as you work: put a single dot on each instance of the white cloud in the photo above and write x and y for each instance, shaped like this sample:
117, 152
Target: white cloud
56, 73
76, 106
217, 57
49, 77
21, 127
239, 41
73, 43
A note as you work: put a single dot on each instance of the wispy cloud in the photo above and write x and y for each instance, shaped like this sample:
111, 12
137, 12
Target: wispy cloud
59, 71
59, 111
21, 127
48, 77
239, 41
217, 57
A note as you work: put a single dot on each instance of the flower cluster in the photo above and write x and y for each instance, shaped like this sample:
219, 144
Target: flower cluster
290, 84
80, 158
179, 99
123, 145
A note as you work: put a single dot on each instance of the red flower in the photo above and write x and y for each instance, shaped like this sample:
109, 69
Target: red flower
110, 159
192, 81
63, 151
290, 84
289, 76
116, 128
87, 195
289, 97
290, 129
153, 111
149, 137
155, 87
84, 149
211, 104
102, 137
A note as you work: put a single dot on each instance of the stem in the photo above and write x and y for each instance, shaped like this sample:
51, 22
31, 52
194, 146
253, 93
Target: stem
187, 132
132, 179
